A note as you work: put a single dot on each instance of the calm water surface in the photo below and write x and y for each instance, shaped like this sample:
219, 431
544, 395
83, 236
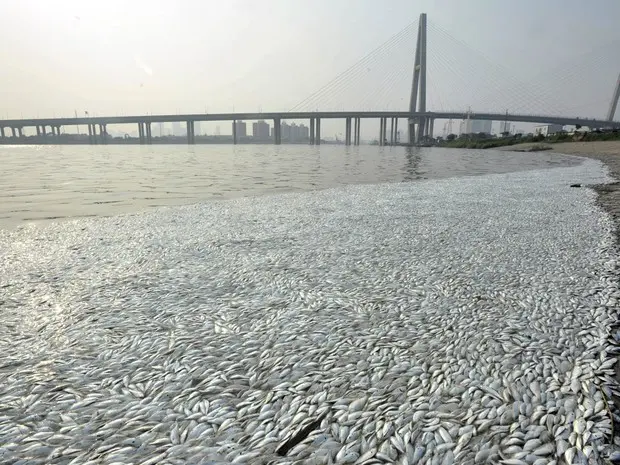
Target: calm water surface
39, 183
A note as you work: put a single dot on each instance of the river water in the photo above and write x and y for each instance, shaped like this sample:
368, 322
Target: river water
42, 183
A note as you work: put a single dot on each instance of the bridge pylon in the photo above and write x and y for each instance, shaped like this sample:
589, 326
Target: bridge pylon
417, 101
614, 101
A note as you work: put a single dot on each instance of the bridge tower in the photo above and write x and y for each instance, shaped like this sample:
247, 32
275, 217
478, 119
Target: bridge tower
614, 101
418, 87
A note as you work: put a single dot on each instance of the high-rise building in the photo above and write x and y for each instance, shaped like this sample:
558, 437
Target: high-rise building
260, 131
239, 127
304, 133
178, 130
548, 129
285, 132
295, 133
504, 126
475, 126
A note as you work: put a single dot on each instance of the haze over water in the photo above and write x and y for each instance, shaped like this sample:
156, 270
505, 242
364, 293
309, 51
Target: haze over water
59, 182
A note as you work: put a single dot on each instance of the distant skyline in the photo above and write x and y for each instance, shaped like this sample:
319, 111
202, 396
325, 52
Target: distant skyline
196, 56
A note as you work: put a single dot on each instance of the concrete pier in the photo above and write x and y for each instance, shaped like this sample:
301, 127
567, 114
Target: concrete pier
347, 131
191, 139
317, 136
234, 132
103, 131
141, 133
312, 131
383, 139
277, 131
2, 136
396, 130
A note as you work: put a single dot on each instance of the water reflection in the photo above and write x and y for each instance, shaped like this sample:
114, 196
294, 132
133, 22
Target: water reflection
413, 155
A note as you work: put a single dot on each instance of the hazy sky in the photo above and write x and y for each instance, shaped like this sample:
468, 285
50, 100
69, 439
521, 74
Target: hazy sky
191, 56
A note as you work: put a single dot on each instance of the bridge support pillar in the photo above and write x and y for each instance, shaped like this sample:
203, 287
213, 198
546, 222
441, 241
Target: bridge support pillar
392, 130
422, 129
2, 136
20, 132
347, 131
148, 133
13, 132
103, 132
396, 138
385, 133
384, 138
141, 133
95, 140
317, 135
358, 131
38, 131
191, 139
431, 127
380, 132
312, 131
277, 131
234, 132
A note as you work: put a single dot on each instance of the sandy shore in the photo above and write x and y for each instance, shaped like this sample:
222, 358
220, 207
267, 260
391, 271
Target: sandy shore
606, 151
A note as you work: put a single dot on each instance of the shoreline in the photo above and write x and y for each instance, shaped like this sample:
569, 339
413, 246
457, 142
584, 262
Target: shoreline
608, 196
608, 152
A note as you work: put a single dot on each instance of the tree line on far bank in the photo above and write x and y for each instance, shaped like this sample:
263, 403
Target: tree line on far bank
487, 141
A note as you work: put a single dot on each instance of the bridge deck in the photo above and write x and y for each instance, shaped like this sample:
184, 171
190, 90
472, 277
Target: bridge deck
542, 119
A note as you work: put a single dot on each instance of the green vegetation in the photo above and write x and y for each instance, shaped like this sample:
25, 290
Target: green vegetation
486, 141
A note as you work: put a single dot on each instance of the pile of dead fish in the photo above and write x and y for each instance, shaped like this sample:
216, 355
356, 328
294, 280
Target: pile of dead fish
455, 321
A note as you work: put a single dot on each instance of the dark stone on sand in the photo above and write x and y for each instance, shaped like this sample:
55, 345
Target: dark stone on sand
575, 185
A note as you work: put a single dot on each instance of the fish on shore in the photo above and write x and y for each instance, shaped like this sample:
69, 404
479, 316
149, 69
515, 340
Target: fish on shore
404, 323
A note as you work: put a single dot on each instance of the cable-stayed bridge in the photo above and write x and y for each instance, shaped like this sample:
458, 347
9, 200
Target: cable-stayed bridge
419, 75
